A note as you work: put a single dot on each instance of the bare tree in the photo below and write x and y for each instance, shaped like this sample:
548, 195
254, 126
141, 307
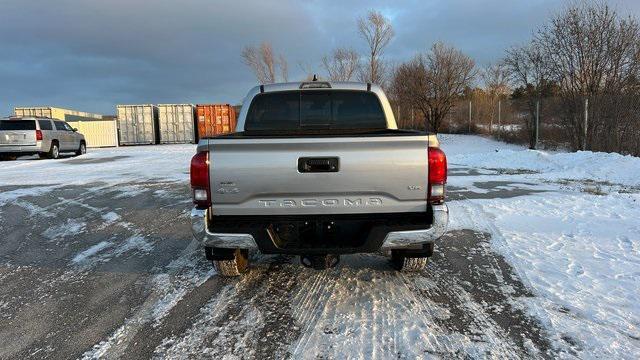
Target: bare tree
342, 64
377, 31
590, 50
262, 61
528, 71
496, 79
433, 81
496, 87
284, 68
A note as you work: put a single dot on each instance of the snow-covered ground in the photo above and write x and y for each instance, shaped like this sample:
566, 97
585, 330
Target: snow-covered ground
576, 243
567, 224
107, 165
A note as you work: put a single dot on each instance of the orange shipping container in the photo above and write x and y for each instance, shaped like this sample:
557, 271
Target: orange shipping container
215, 119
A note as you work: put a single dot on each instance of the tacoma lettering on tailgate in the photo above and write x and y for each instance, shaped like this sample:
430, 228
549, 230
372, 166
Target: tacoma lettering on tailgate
330, 202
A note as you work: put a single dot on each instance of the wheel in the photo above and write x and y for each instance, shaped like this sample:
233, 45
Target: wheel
408, 264
54, 152
82, 149
238, 265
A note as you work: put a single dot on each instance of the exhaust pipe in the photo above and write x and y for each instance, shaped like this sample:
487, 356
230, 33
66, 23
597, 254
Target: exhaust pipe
320, 262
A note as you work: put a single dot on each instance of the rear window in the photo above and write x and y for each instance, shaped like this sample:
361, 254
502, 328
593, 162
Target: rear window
45, 124
317, 109
17, 125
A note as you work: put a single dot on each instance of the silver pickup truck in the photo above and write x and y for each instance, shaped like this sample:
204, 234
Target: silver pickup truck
318, 169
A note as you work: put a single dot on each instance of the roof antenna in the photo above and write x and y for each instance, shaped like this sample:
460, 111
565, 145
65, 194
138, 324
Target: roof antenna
315, 77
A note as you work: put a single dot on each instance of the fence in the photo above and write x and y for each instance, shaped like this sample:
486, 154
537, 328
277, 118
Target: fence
608, 123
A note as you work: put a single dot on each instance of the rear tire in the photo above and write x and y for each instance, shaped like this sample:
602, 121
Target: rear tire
238, 265
82, 149
408, 264
54, 151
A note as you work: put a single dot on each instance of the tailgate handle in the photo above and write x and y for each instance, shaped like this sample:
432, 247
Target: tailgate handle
316, 164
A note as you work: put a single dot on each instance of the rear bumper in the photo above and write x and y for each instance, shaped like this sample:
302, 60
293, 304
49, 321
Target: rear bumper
396, 235
402, 239
202, 233
21, 149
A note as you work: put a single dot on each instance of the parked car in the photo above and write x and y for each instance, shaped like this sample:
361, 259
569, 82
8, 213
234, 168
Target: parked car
318, 169
43, 136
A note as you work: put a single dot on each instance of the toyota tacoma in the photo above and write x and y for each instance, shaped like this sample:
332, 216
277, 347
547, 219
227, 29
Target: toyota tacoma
318, 169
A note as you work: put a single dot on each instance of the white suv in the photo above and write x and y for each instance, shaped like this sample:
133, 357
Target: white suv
43, 136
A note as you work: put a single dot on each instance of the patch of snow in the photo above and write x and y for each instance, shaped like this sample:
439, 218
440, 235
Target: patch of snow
135, 242
475, 151
71, 227
232, 344
110, 217
181, 276
95, 249
578, 252
105, 165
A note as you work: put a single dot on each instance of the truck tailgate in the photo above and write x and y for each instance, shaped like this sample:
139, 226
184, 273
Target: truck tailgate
318, 175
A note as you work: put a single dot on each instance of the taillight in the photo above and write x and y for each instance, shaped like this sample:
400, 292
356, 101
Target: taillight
38, 135
200, 180
437, 175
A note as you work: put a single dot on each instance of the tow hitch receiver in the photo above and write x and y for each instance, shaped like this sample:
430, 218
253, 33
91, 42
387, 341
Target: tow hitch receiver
320, 262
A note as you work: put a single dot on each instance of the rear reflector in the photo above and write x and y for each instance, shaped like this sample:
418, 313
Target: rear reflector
437, 175
200, 179
38, 135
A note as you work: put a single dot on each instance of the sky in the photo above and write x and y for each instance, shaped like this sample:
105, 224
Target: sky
90, 55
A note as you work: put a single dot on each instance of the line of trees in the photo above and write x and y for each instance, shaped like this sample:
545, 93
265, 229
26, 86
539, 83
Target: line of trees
586, 58
342, 64
430, 82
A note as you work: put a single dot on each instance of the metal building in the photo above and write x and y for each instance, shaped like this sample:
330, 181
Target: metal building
176, 123
138, 124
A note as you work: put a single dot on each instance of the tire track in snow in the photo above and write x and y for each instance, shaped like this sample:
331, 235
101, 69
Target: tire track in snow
253, 322
116, 344
366, 312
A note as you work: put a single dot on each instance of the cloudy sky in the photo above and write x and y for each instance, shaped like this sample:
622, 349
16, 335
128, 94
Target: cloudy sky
91, 55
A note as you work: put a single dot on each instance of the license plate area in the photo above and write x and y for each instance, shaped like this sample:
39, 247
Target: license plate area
14, 138
319, 234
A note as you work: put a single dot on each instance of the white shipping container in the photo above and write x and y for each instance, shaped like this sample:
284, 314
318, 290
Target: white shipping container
98, 133
137, 124
176, 123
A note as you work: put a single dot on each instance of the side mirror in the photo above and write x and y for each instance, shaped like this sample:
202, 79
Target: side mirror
74, 129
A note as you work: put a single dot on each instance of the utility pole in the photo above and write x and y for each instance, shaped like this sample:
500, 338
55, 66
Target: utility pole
499, 115
491, 123
586, 124
469, 130
537, 122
